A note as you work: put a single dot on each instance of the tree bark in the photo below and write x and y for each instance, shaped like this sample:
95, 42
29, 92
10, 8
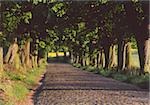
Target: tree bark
81, 59
84, 59
27, 54
33, 62
56, 54
97, 59
106, 53
124, 56
65, 54
147, 55
1, 59
22, 56
141, 52
7, 57
90, 60
77, 59
112, 56
71, 56
36, 60
120, 54
102, 59
16, 62
12, 51
128, 55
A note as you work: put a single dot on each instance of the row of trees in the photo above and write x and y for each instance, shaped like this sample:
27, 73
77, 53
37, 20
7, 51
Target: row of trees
93, 29
87, 29
22, 33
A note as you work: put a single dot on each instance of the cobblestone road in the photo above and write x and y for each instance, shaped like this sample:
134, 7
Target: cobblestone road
67, 85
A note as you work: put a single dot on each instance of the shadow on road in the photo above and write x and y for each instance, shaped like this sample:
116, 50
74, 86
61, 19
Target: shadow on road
59, 59
61, 76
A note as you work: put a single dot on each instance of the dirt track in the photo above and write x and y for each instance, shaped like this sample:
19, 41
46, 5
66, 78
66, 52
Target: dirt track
67, 85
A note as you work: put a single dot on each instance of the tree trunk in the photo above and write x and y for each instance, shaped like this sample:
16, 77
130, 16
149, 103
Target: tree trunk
81, 59
16, 62
77, 59
85, 63
71, 56
97, 59
12, 51
74, 58
22, 55
106, 53
56, 54
65, 54
1, 59
27, 53
33, 62
102, 59
141, 55
90, 60
84, 59
120, 54
124, 56
128, 55
7, 57
36, 61
147, 55
112, 56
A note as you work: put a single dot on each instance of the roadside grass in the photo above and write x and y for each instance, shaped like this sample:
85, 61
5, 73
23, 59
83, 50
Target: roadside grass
16, 85
131, 77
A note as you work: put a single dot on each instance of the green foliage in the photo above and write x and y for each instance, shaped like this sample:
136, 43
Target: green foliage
139, 79
134, 43
27, 16
13, 17
106, 73
77, 65
120, 77
103, 1
59, 9
42, 44
90, 68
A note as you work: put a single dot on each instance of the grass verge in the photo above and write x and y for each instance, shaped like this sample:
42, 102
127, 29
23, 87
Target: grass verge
141, 81
16, 85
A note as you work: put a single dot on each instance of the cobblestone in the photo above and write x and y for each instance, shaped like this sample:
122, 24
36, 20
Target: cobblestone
67, 85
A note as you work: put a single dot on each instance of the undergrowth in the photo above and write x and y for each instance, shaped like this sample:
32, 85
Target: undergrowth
125, 76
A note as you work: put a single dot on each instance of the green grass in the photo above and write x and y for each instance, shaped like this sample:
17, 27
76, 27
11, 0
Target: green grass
32, 76
106, 73
15, 75
130, 77
16, 85
17, 91
14, 91
77, 65
120, 77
